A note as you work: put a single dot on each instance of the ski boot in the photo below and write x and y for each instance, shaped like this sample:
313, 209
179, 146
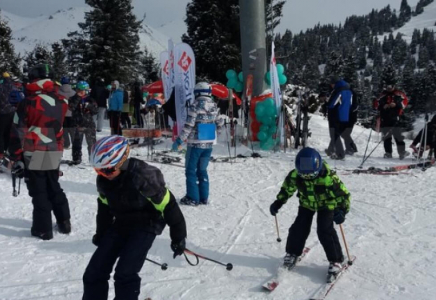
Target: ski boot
334, 269
204, 201
45, 236
404, 154
336, 157
290, 261
64, 227
328, 152
349, 152
387, 155
188, 201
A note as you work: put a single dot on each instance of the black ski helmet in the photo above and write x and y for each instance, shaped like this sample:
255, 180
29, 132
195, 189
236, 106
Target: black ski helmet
41, 71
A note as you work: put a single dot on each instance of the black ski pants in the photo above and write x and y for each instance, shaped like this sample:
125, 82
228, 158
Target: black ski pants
138, 116
131, 250
5, 131
125, 120
68, 132
299, 232
47, 195
335, 130
396, 132
90, 136
115, 122
350, 146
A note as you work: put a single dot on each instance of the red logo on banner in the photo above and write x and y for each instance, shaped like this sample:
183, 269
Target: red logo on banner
185, 61
165, 68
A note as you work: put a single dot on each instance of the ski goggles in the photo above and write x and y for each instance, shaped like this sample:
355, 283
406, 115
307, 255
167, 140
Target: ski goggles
309, 176
106, 171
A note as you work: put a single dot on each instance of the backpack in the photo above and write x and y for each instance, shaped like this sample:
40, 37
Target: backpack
15, 97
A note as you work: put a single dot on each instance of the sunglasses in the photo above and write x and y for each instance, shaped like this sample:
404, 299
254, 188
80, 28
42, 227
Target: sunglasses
106, 171
309, 176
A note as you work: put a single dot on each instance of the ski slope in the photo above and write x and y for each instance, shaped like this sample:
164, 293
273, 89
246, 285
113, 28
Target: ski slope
391, 230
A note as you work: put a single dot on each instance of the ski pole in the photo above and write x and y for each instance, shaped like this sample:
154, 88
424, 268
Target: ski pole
228, 266
228, 143
163, 266
350, 262
277, 228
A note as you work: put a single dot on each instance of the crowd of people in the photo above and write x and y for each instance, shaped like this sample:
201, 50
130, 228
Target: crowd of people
134, 204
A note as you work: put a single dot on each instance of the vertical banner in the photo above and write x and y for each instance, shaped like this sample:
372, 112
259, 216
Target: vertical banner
277, 94
184, 73
171, 61
165, 74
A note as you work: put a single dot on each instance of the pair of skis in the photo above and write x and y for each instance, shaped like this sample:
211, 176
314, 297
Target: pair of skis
323, 291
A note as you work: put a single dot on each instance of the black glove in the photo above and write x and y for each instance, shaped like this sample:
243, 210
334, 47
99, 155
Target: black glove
18, 169
275, 206
178, 247
96, 239
339, 216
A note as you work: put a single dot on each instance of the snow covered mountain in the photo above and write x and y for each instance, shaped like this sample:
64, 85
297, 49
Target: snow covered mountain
27, 32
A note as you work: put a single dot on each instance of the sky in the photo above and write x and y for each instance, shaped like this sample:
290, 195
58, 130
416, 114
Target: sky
298, 14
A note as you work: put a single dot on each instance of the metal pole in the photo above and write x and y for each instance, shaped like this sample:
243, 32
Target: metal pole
253, 42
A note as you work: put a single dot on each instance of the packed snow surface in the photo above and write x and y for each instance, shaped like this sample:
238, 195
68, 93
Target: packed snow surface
390, 229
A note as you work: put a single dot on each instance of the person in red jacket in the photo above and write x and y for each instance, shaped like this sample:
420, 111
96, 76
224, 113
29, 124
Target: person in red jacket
391, 105
36, 148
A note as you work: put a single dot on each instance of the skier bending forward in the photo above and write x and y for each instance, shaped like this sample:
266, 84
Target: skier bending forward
133, 207
319, 190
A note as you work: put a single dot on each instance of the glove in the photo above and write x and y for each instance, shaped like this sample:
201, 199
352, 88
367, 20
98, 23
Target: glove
339, 216
18, 169
177, 144
275, 206
178, 247
96, 239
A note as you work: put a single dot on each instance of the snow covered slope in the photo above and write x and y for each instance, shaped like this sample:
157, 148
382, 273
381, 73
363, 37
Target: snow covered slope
391, 230
27, 32
427, 19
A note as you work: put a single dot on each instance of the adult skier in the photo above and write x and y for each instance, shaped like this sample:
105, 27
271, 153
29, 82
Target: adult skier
338, 111
101, 95
66, 91
319, 191
36, 147
134, 205
83, 108
115, 107
391, 105
199, 131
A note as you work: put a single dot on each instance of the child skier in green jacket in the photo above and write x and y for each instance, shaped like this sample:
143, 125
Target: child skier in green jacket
319, 190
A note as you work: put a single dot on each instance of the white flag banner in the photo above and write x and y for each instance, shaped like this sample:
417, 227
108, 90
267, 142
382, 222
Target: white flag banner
184, 73
165, 74
171, 61
277, 93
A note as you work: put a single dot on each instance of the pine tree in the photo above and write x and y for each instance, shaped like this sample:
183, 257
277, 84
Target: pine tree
311, 74
215, 41
416, 40
58, 61
389, 76
399, 51
424, 57
113, 49
408, 75
376, 82
76, 50
39, 55
9, 62
334, 65
405, 13
349, 70
148, 66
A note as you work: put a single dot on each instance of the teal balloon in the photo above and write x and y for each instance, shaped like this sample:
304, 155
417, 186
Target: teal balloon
262, 136
271, 111
264, 128
241, 77
272, 129
231, 74
259, 110
239, 87
280, 69
268, 102
231, 83
268, 120
268, 78
282, 79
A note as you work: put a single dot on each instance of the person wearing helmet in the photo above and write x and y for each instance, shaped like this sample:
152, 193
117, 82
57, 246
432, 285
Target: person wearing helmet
36, 147
83, 108
199, 131
66, 91
319, 191
391, 105
134, 206
7, 111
